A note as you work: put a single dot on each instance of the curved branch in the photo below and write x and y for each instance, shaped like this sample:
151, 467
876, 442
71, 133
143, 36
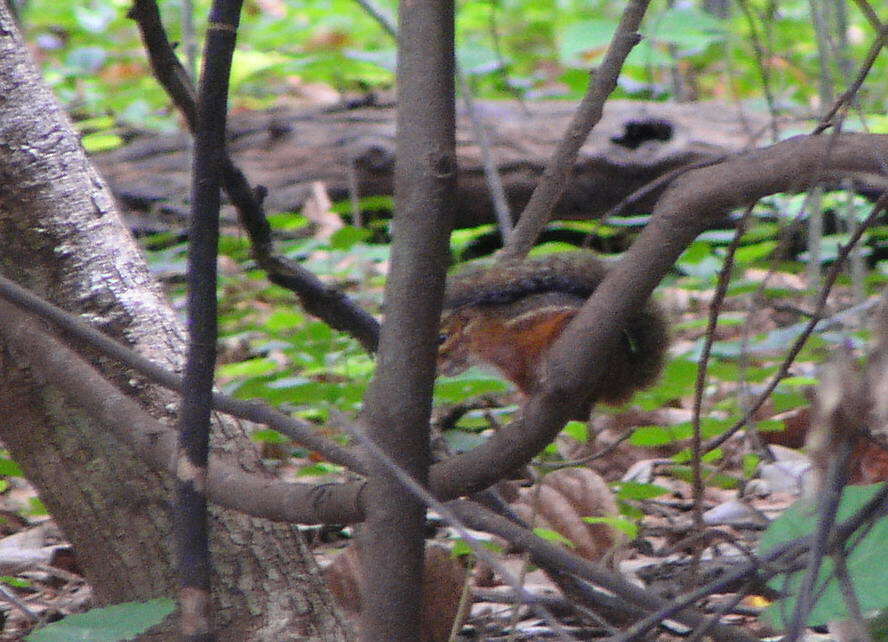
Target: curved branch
230, 486
687, 208
299, 431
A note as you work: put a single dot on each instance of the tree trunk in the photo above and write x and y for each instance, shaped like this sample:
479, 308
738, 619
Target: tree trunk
63, 238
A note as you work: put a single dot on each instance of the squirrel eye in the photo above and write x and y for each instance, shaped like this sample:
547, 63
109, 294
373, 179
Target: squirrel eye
442, 338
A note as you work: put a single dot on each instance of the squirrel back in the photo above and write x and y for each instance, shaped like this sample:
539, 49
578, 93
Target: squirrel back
510, 314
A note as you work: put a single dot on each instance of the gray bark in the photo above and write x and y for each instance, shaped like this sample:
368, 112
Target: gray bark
62, 237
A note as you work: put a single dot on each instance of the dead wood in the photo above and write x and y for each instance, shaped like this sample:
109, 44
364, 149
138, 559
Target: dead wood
287, 150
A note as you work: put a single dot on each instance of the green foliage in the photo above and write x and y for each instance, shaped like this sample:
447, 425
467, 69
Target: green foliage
578, 430
109, 624
36, 508
629, 527
710, 477
677, 378
552, 536
639, 491
467, 385
461, 548
9, 468
92, 56
865, 562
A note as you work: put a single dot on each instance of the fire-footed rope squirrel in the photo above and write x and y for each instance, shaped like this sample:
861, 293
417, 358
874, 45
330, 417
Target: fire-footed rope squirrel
509, 315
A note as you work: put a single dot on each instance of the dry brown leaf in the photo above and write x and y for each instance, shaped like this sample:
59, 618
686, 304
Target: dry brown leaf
563, 499
318, 210
443, 581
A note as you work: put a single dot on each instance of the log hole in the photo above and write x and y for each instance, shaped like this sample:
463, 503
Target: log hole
637, 132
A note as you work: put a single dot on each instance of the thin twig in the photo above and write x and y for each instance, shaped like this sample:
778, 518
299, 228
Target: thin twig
849, 94
554, 179
796, 347
491, 173
721, 290
325, 302
763, 69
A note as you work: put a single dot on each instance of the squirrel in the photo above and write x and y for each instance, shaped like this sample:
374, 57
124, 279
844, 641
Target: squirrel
508, 316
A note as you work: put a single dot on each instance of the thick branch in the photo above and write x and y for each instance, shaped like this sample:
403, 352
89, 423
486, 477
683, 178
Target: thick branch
302, 432
695, 200
252, 494
399, 399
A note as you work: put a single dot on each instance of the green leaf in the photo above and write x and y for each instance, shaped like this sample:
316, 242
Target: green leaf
699, 260
552, 536
629, 510
662, 435
651, 436
688, 28
269, 436
866, 561
803, 382
636, 490
462, 239
753, 253
552, 247
677, 379
648, 54
784, 401
725, 320
287, 221
583, 43
10, 468
247, 62
770, 425
721, 480
109, 624
319, 469
471, 383
621, 523
283, 319
750, 464
101, 142
36, 507
249, 368
346, 237
461, 549
578, 430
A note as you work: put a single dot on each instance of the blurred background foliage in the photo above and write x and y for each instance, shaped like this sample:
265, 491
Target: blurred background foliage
526, 49
762, 53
